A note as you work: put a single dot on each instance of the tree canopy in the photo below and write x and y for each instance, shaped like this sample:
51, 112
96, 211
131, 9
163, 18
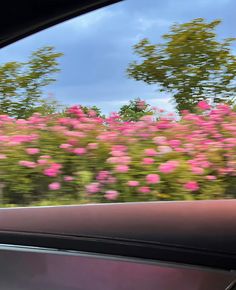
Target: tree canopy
191, 64
134, 110
21, 83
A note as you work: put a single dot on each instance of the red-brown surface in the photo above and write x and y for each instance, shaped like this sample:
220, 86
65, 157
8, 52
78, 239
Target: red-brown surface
201, 229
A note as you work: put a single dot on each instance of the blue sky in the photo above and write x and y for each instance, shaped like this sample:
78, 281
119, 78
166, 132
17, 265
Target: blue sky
97, 48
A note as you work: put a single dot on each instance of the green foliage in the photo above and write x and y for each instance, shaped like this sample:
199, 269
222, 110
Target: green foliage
49, 160
191, 64
135, 110
47, 106
92, 110
21, 83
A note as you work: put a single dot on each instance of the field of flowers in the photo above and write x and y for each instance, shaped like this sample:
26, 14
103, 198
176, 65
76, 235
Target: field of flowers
82, 158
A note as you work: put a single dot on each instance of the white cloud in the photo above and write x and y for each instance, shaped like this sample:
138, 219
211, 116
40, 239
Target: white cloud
213, 2
146, 23
90, 19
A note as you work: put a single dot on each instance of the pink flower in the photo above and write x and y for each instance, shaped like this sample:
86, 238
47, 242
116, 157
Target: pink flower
211, 177
178, 149
92, 113
205, 164
50, 172
93, 146
76, 110
102, 175
203, 105
56, 166
191, 185
53, 170
54, 186
3, 156
147, 118
141, 104
133, 183
119, 148
160, 140
197, 170
144, 189
175, 143
28, 164
17, 139
45, 157
79, 151
152, 178
111, 194
148, 161
113, 160
150, 152
111, 180
169, 166
117, 153
32, 151
42, 161
124, 160
223, 108
122, 168
68, 178
93, 187
164, 149
65, 146
72, 142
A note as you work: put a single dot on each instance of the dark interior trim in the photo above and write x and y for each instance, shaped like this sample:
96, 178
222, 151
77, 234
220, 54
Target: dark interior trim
154, 252
198, 233
20, 19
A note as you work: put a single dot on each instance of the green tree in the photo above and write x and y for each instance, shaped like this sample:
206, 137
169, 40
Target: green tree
136, 109
191, 64
48, 106
92, 111
21, 83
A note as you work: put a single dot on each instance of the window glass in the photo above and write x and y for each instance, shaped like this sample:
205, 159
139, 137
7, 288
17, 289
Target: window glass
131, 102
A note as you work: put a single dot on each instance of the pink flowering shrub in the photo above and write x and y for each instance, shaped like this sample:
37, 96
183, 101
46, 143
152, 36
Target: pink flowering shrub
80, 157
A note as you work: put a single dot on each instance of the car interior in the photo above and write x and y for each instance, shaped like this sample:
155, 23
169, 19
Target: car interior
164, 245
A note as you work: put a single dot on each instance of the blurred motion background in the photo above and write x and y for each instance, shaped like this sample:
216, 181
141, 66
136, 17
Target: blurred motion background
132, 102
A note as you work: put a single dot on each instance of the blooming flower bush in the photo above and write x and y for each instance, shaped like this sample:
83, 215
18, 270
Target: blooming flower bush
84, 158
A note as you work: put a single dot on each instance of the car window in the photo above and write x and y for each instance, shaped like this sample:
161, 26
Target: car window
38, 268
132, 102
